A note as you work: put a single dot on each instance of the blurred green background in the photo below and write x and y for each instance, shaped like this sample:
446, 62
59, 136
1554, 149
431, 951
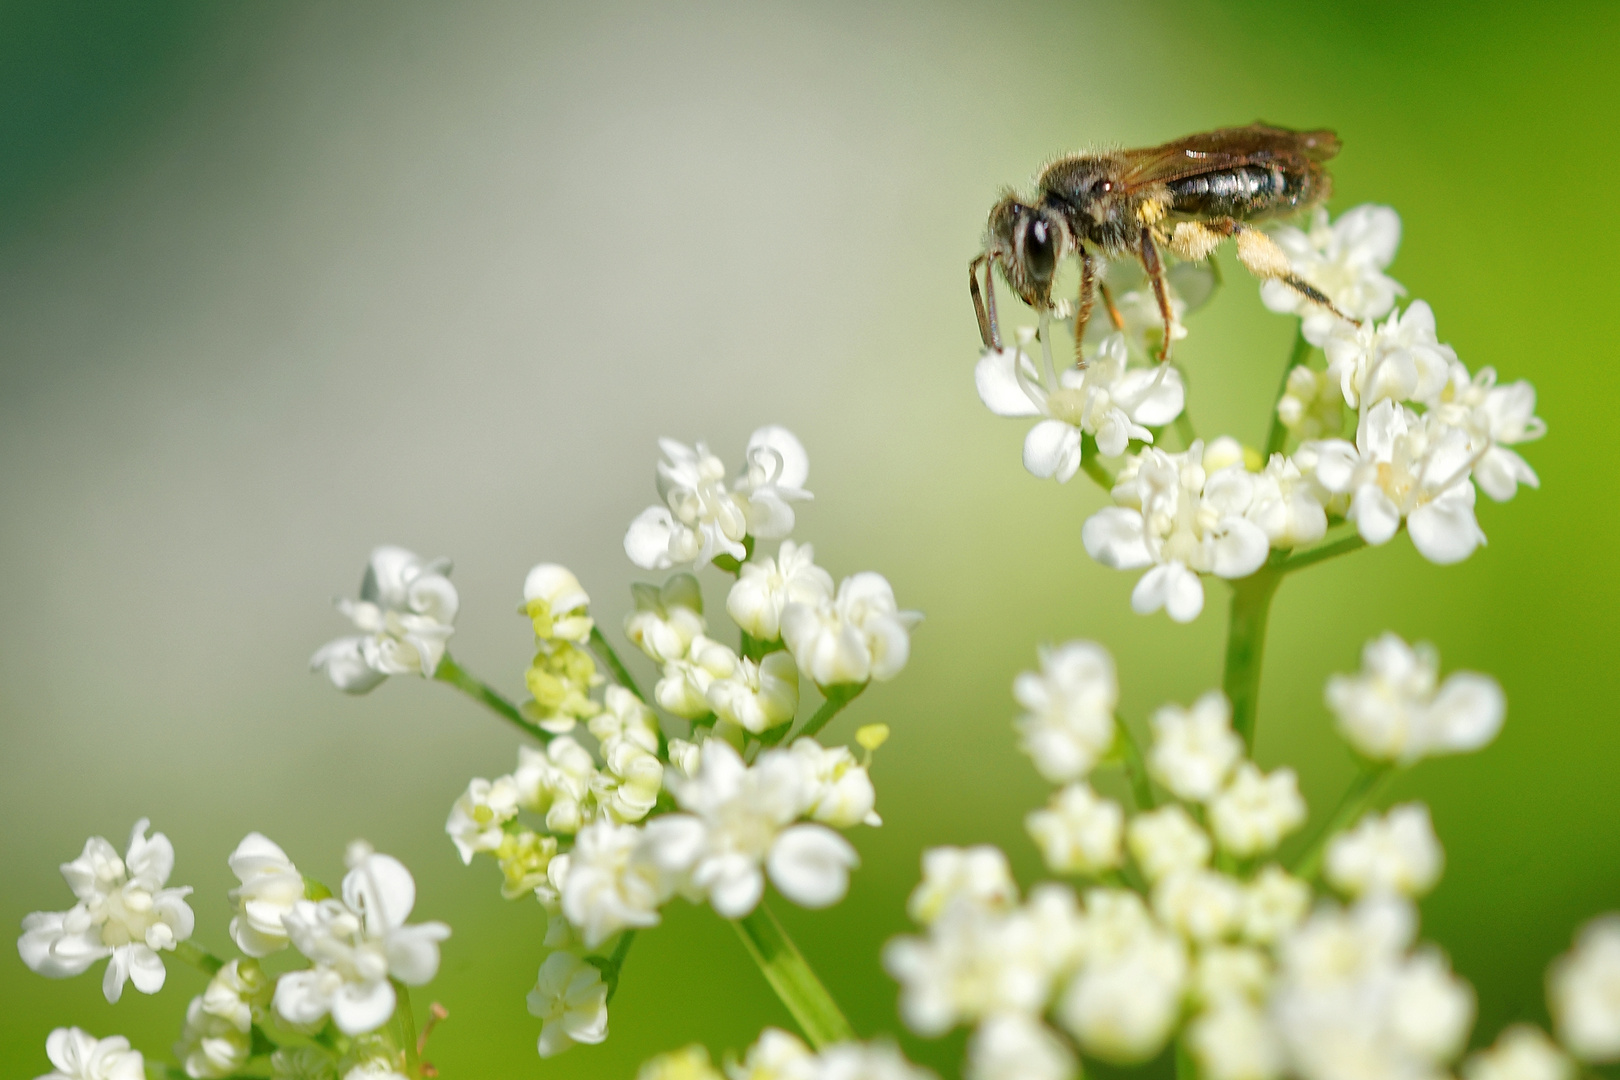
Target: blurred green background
279, 282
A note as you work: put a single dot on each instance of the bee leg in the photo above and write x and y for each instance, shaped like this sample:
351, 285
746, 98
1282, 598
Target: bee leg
1161, 291
1082, 308
989, 333
1114, 317
1261, 256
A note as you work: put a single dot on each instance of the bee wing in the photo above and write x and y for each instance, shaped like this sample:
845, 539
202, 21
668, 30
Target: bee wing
1228, 148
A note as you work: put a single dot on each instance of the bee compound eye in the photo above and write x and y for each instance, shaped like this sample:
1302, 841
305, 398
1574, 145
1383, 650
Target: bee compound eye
1040, 255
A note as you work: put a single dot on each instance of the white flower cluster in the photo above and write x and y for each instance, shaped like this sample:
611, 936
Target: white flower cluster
357, 945
1397, 710
406, 614
1425, 433
778, 1055
702, 790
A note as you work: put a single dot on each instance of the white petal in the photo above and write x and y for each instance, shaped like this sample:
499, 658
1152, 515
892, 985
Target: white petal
1113, 536
999, 387
145, 968
1151, 396
1375, 515
361, 1007
1172, 587
1239, 550
1501, 471
647, 541
299, 997
811, 864
112, 980
787, 447
1444, 531
381, 887
413, 952
1335, 464
736, 891
1467, 712
1052, 448
346, 666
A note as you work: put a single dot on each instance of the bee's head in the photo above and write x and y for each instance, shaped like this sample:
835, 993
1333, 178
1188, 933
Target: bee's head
1027, 242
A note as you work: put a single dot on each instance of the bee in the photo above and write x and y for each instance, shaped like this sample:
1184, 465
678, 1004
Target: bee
1186, 197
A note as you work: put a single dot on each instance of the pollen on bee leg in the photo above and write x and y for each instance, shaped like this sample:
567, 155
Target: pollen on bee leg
1260, 254
1193, 241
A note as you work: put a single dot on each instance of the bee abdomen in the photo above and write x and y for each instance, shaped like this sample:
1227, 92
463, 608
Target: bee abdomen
1249, 191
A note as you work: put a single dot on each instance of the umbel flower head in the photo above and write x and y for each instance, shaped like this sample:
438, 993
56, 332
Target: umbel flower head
1397, 709
124, 914
406, 614
78, 1055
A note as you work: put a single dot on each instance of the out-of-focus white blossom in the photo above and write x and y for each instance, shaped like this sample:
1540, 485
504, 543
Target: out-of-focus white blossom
1256, 810
627, 786
687, 1063
1068, 720
1397, 853
1227, 972
1166, 840
1288, 505
1201, 905
570, 999
557, 782
1181, 518
124, 914
1345, 260
666, 620
271, 885
1521, 1052
79, 1055
1583, 991
625, 717
1406, 468
618, 875
757, 695
556, 602
1078, 832
1194, 750
841, 789
356, 943
1011, 1046
860, 634
976, 877
406, 614
866, 1061
1396, 709
217, 1039
973, 964
1312, 405
1126, 998
1235, 1041
765, 586
684, 687
701, 517
477, 816
1275, 903
302, 1063
1106, 400
775, 1055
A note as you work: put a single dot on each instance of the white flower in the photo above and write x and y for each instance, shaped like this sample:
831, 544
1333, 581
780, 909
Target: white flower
841, 789
618, 875
1078, 832
974, 963
1288, 505
78, 1055
1194, 749
1583, 991
976, 877
1397, 360
701, 518
1201, 905
556, 782
627, 787
1506, 415
625, 717
1015, 1047
858, 635
1126, 998
1312, 405
1345, 260
380, 1067
355, 944
1394, 853
666, 620
477, 816
757, 696
1352, 1004
1275, 903
406, 612
271, 885
1166, 840
1104, 400
684, 688
1181, 518
556, 601
302, 1063
1232, 972
776, 1055
1410, 468
124, 914
687, 1063
1234, 1041
1396, 709
765, 586
866, 1061
1521, 1052
217, 1038
1068, 722
747, 815
1256, 810
570, 999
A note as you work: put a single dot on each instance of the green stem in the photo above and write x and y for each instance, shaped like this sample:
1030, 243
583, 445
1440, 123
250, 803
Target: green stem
404, 1024
621, 674
611, 966
1276, 434
1360, 795
198, 957
1186, 1067
1135, 768
837, 698
817, 1014
1246, 643
1342, 546
453, 673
